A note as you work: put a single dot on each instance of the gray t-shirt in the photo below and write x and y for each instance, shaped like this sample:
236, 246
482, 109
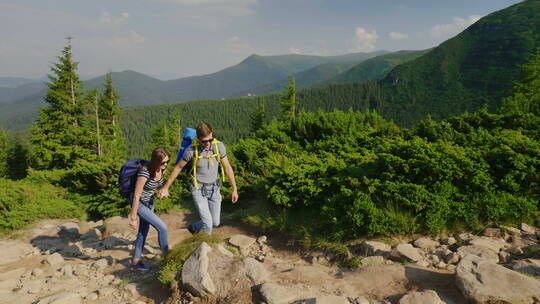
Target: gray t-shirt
206, 172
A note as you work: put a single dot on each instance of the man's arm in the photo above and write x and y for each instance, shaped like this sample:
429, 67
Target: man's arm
164, 191
230, 176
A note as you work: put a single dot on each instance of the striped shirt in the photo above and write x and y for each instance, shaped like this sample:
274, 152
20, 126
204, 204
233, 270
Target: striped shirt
150, 186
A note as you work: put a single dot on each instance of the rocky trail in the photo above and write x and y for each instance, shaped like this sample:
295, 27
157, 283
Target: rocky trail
69, 261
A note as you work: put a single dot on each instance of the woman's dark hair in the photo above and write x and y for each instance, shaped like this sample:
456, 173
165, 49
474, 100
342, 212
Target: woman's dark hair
203, 129
158, 155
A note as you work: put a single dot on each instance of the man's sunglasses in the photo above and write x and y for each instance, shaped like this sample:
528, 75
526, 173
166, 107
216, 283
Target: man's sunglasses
206, 141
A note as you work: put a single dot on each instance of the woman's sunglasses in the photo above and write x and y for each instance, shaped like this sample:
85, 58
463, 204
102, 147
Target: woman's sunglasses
164, 163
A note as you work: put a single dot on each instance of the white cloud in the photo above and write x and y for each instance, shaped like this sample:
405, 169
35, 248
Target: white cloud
295, 50
397, 36
451, 29
364, 40
127, 41
107, 18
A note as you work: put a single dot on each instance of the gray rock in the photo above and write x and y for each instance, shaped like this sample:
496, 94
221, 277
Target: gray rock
261, 240
195, 275
512, 230
276, 294
448, 240
440, 265
529, 266
361, 300
8, 285
373, 260
328, 299
111, 242
12, 274
491, 243
70, 228
241, 241
92, 296
13, 250
452, 258
132, 290
72, 250
54, 259
504, 257
254, 270
425, 297
425, 243
100, 264
106, 291
62, 298
466, 236
94, 234
80, 270
480, 251
515, 250
369, 248
482, 281
492, 232
527, 229
406, 253
67, 270
224, 251
32, 286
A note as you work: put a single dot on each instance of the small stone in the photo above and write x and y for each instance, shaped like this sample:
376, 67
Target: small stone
512, 230
373, 261
527, 229
261, 240
451, 267
241, 241
67, 270
441, 265
504, 257
55, 259
132, 290
260, 258
448, 241
406, 253
361, 300
80, 270
100, 264
425, 297
103, 292
425, 243
434, 258
515, 250
452, 258
492, 232
369, 248
422, 263
92, 296
466, 236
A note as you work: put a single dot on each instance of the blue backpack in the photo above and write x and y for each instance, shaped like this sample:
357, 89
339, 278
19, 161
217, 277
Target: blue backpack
188, 136
128, 175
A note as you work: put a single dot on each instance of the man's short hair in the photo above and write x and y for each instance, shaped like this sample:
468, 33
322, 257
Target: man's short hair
203, 129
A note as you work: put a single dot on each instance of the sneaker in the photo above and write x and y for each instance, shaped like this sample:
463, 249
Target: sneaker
191, 229
140, 267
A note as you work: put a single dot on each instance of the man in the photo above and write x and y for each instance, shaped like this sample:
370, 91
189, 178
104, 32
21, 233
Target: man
209, 156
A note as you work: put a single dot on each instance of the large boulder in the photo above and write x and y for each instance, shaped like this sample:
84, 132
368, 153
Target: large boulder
494, 244
195, 275
425, 297
241, 241
480, 251
406, 253
482, 281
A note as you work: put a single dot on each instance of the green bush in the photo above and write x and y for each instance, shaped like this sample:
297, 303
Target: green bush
24, 202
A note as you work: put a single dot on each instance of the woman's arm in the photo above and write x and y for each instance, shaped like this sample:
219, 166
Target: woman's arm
133, 217
230, 176
164, 191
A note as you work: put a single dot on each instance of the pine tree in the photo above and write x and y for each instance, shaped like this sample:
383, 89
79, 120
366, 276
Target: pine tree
17, 157
258, 118
59, 136
166, 134
3, 152
112, 140
526, 97
288, 100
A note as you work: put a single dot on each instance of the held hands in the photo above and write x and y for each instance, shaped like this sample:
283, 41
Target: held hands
163, 193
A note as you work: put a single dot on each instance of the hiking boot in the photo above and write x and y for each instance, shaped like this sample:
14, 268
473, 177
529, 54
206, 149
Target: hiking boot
191, 229
140, 267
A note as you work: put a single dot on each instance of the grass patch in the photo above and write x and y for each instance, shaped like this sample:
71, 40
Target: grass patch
174, 260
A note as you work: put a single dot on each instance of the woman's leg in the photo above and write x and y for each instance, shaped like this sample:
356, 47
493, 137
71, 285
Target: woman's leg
147, 214
141, 235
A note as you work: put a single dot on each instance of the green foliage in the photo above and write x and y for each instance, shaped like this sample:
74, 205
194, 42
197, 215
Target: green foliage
354, 174
288, 100
258, 118
174, 260
3, 153
24, 202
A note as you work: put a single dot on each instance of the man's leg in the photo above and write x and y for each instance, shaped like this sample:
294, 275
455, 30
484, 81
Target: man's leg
214, 204
201, 202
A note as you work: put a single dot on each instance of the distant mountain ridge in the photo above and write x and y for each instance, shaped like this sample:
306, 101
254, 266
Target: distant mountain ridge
138, 89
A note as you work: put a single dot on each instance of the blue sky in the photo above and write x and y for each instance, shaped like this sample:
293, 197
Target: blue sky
177, 38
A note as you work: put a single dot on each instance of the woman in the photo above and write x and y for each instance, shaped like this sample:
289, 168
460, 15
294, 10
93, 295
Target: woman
208, 156
149, 179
